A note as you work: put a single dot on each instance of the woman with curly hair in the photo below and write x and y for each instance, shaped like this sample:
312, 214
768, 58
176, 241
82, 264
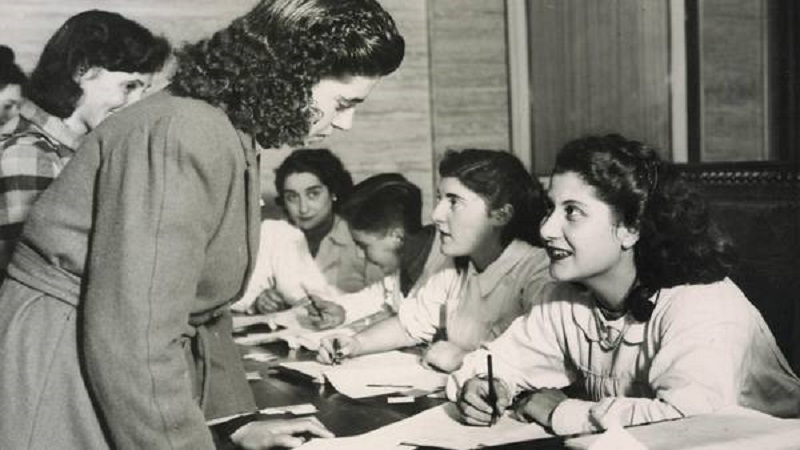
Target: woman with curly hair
496, 266
645, 325
95, 64
115, 330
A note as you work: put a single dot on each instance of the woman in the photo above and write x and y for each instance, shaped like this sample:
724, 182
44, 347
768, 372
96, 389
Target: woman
114, 321
486, 202
12, 80
646, 326
95, 64
311, 184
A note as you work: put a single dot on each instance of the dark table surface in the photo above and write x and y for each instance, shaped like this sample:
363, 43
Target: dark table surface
342, 415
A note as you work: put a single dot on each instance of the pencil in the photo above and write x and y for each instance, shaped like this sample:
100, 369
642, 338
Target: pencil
337, 352
492, 393
400, 386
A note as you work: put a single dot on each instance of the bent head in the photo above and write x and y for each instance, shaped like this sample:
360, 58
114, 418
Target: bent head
293, 71
12, 80
381, 212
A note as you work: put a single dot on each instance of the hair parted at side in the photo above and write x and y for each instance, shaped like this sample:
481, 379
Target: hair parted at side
98, 39
500, 178
383, 202
261, 68
323, 164
10, 73
678, 242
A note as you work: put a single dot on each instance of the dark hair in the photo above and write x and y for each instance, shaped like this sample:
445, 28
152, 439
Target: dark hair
261, 68
382, 202
678, 243
500, 178
91, 39
323, 164
10, 73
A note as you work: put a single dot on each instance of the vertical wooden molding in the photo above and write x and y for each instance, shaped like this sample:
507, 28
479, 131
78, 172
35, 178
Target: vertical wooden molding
429, 14
678, 92
519, 96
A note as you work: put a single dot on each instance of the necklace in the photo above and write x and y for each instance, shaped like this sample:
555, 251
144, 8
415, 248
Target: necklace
609, 337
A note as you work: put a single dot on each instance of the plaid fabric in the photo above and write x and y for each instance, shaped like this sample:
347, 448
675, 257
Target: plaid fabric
30, 159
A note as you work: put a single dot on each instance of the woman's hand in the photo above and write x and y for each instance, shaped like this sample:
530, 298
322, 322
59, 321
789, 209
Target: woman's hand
473, 401
538, 406
269, 301
270, 434
324, 314
444, 356
333, 348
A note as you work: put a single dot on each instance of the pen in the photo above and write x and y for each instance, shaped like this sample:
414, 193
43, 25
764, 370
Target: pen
337, 354
492, 394
399, 386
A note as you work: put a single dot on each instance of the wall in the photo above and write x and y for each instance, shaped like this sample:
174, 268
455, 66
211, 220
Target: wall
451, 90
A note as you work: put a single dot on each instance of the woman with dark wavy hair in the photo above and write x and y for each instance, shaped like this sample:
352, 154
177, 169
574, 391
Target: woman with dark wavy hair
12, 80
95, 64
646, 326
115, 330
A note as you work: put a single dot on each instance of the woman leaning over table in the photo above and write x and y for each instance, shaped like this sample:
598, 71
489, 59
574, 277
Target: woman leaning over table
114, 322
646, 326
95, 64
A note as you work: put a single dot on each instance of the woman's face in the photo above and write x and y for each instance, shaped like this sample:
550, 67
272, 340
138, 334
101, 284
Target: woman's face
383, 250
462, 218
336, 100
10, 99
308, 202
581, 233
105, 93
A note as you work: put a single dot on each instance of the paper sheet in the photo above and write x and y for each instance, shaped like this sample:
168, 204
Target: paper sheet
436, 427
351, 377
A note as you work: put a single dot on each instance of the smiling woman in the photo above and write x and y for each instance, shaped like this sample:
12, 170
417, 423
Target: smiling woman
95, 64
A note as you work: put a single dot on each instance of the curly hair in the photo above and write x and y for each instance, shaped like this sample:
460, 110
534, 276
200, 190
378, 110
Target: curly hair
382, 202
10, 73
90, 39
500, 178
678, 242
261, 68
323, 164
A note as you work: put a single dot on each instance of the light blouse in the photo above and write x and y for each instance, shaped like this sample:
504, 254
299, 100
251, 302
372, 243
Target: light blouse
705, 347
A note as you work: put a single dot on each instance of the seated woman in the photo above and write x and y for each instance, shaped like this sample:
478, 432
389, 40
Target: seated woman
311, 183
97, 63
384, 214
487, 201
646, 326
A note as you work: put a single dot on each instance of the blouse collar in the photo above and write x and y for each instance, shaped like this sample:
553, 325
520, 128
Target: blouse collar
512, 255
51, 125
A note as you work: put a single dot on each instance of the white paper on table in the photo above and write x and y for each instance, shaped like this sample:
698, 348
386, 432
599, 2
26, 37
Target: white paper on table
439, 427
353, 443
353, 374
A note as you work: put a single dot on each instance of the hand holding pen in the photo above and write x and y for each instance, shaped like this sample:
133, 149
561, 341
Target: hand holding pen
333, 349
481, 405
324, 314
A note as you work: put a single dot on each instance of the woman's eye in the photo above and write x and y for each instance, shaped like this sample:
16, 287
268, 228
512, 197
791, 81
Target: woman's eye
312, 195
572, 212
290, 198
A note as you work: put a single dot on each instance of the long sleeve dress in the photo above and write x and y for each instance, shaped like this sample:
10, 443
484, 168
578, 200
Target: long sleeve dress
705, 347
114, 328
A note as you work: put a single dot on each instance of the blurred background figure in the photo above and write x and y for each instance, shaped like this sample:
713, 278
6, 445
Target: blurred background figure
12, 80
97, 63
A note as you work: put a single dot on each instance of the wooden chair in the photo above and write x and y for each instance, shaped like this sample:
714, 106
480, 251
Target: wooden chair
758, 205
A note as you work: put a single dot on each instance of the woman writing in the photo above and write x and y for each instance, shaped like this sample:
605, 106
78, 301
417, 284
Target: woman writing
486, 202
121, 282
646, 326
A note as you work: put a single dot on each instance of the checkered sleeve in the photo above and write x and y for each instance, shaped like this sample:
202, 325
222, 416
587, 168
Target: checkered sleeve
27, 167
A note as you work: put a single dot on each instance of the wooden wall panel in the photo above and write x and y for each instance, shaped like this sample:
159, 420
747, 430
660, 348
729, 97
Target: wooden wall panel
598, 67
469, 75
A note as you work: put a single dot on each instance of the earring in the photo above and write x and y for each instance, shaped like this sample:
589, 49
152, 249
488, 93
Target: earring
334, 198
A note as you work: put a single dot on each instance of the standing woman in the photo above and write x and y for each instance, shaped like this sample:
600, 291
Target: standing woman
646, 326
114, 321
12, 80
97, 63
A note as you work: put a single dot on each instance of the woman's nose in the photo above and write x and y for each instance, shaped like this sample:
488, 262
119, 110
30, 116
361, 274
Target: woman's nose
548, 227
438, 214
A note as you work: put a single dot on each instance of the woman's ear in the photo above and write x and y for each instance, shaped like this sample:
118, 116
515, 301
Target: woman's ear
86, 73
398, 234
502, 216
627, 236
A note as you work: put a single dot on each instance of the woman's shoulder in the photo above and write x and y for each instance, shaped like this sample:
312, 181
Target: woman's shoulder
534, 259
722, 299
